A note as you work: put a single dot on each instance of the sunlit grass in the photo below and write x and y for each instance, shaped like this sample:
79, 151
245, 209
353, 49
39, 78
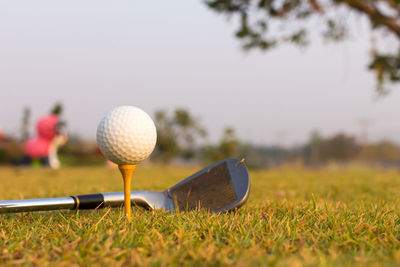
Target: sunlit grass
293, 217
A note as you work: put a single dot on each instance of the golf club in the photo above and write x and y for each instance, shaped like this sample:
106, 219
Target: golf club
220, 187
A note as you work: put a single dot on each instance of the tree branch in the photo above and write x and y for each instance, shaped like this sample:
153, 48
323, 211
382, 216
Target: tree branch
375, 15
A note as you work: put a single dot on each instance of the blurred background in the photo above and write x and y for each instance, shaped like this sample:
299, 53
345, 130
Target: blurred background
275, 82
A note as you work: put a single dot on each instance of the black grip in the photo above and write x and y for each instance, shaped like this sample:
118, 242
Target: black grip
87, 202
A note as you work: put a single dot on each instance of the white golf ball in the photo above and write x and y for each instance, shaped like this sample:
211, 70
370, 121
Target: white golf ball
126, 135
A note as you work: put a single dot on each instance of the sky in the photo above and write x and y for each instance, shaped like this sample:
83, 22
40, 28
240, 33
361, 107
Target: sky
95, 55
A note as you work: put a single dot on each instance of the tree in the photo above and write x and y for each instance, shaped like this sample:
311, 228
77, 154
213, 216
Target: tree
187, 129
340, 148
228, 147
176, 134
229, 144
261, 24
312, 149
384, 151
167, 144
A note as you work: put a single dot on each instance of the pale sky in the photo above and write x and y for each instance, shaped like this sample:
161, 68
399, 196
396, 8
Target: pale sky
94, 55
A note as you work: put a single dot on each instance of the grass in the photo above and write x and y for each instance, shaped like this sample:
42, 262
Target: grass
293, 217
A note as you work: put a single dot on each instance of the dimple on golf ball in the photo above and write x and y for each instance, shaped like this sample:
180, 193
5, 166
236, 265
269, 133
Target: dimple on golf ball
126, 135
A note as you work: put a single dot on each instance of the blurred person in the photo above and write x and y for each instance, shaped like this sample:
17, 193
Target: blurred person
42, 149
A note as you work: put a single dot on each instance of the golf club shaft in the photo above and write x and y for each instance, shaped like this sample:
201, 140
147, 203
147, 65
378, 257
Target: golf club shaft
89, 201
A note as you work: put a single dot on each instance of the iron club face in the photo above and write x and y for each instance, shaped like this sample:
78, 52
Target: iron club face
218, 188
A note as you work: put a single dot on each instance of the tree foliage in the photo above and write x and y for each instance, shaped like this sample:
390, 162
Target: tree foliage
228, 147
176, 134
264, 24
384, 151
338, 148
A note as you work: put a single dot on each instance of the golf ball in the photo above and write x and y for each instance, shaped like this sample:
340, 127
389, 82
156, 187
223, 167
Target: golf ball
126, 135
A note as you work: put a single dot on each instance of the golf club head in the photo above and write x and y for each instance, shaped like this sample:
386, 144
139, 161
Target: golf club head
220, 187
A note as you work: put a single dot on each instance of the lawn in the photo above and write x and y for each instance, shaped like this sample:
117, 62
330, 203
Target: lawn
294, 216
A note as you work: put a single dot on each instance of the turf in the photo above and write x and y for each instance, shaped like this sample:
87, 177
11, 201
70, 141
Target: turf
293, 217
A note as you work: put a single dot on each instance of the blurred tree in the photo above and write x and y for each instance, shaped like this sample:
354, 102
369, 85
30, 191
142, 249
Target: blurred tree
340, 148
384, 151
229, 144
228, 147
167, 141
176, 135
263, 25
25, 124
314, 147
10, 148
187, 128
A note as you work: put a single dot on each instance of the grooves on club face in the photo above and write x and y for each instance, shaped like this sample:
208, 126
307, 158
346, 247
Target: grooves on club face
220, 187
